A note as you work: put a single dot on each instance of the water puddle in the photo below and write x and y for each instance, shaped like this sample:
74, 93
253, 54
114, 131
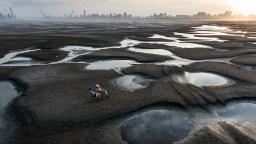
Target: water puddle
157, 36
21, 59
193, 37
22, 62
177, 61
176, 42
161, 52
110, 64
7, 93
10, 56
215, 28
166, 126
128, 43
201, 79
74, 51
210, 33
132, 82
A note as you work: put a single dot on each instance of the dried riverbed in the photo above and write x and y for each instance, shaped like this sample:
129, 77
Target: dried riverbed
171, 81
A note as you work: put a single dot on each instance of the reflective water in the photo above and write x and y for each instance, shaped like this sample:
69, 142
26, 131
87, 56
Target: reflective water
157, 36
210, 33
177, 43
213, 28
22, 61
110, 64
193, 37
8, 57
11, 58
170, 125
128, 43
132, 82
74, 51
7, 93
177, 61
201, 79
153, 51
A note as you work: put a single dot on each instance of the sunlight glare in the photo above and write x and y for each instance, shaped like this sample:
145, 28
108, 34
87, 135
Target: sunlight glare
243, 6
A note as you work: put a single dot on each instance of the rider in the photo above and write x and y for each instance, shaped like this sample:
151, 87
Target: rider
98, 91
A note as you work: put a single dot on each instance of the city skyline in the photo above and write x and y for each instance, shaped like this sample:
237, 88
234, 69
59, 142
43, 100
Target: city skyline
32, 8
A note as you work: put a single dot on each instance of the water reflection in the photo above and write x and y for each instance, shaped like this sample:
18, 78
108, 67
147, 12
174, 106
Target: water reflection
210, 33
194, 37
197, 33
8, 57
201, 79
22, 61
176, 42
170, 125
132, 82
110, 64
74, 51
7, 93
153, 51
213, 28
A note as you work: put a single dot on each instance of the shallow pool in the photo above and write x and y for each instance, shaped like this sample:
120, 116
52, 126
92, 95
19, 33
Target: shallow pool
201, 79
7, 125
166, 126
110, 64
132, 82
7, 93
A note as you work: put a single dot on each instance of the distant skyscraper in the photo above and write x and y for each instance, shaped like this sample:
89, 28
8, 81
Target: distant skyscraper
84, 13
11, 12
125, 15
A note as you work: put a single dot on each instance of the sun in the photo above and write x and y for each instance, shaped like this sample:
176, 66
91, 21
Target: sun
243, 6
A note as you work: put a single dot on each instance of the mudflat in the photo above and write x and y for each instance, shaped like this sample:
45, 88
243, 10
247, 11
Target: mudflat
174, 71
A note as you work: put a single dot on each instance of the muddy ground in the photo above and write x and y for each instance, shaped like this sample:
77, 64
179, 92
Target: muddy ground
54, 107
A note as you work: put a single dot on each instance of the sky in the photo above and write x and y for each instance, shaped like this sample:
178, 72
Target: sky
31, 8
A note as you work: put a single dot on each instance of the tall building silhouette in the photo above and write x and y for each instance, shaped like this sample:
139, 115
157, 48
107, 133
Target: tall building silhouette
11, 12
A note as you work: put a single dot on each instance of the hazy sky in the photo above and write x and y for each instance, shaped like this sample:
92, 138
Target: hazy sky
30, 8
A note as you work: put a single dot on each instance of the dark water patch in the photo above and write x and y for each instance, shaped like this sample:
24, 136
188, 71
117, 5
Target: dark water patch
8, 92
168, 125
